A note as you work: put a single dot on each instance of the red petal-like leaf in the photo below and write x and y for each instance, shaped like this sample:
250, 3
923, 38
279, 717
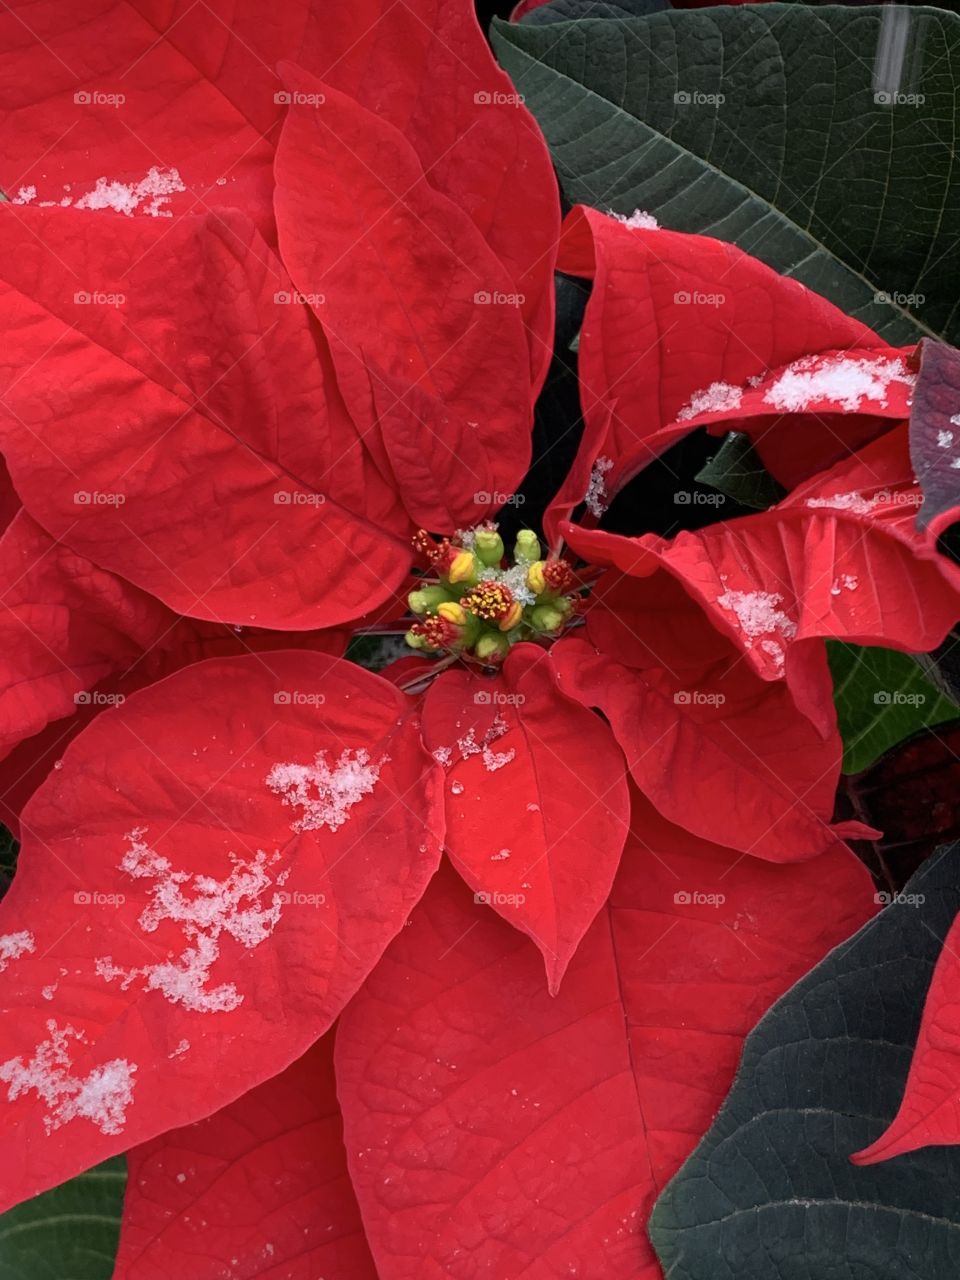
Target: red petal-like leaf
494, 1129
840, 558
537, 809
421, 315
717, 750
181, 438
930, 1111
261, 1186
101, 111
203, 884
676, 327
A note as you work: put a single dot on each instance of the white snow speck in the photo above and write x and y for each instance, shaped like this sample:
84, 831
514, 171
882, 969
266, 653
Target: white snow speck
596, 495
639, 220
231, 906
945, 438
846, 581
955, 420
25, 195
757, 613
326, 793
181, 1048
502, 856
443, 755
717, 398
456, 788
102, 1096
15, 945
852, 501
846, 380
152, 191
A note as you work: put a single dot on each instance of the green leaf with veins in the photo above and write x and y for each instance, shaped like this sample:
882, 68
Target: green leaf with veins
770, 1193
881, 697
68, 1233
736, 471
819, 139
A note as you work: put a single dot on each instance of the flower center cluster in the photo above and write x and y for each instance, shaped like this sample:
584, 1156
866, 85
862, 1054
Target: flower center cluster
476, 600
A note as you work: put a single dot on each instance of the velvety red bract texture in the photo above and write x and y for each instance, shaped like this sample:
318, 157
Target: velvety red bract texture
929, 1113
418, 309
506, 1131
261, 1186
191, 910
537, 809
224, 484
97, 94
674, 317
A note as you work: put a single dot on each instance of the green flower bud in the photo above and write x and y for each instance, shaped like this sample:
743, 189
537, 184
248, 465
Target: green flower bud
415, 641
546, 618
426, 599
493, 646
527, 548
489, 546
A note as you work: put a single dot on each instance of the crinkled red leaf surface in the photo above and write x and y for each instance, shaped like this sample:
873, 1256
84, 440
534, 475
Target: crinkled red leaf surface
203, 884
841, 558
261, 1186
222, 482
676, 328
493, 1128
929, 1114
537, 809
65, 625
421, 314
716, 749
100, 109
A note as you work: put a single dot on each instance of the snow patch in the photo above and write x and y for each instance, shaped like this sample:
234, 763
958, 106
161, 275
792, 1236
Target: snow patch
232, 906
102, 1096
853, 501
596, 498
945, 438
25, 195
717, 398
152, 192
326, 793
843, 379
758, 615
15, 945
639, 220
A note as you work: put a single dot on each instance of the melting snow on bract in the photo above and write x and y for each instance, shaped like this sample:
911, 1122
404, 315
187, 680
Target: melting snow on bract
325, 793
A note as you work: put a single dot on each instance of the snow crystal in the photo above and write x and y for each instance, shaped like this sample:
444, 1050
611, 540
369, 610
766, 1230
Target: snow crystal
25, 195
456, 788
717, 398
846, 581
231, 906
638, 220
502, 856
515, 578
181, 1048
955, 464
596, 495
853, 501
758, 615
153, 192
494, 760
845, 380
335, 791
443, 755
102, 1096
50, 991
15, 945
945, 439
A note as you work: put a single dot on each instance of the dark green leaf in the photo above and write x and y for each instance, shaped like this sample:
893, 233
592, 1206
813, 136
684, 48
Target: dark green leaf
803, 134
882, 697
567, 10
69, 1233
736, 470
769, 1194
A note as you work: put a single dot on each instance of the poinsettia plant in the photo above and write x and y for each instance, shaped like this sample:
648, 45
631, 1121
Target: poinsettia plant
442, 968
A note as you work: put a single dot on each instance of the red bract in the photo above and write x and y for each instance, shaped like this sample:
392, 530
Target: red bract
490, 1125
260, 1185
230, 899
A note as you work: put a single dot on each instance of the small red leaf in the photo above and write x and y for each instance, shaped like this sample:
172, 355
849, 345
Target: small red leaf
220, 860
261, 1186
537, 809
494, 1129
935, 434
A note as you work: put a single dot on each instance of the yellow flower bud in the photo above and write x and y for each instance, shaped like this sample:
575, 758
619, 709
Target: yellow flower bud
452, 611
511, 617
463, 567
535, 579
